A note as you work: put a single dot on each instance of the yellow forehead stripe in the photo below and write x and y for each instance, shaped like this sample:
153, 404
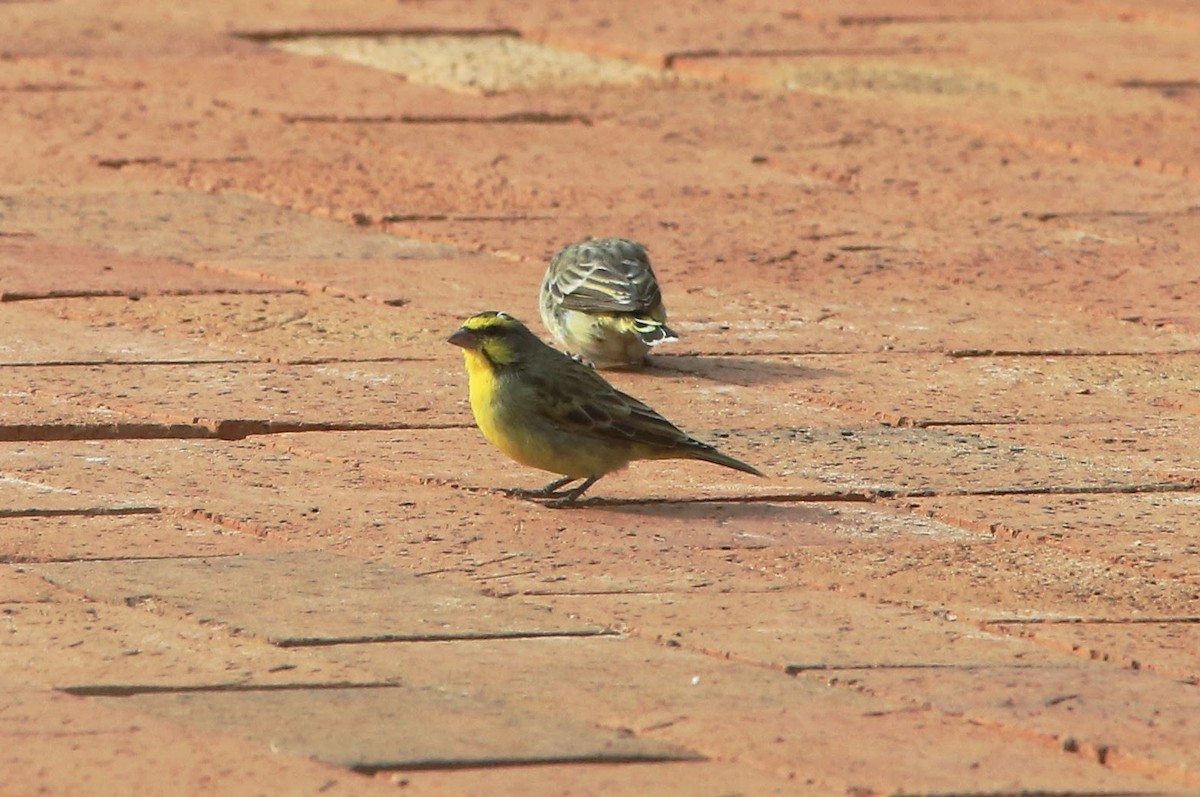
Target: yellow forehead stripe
490, 319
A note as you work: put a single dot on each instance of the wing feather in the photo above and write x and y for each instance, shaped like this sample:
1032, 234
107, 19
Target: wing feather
612, 275
607, 413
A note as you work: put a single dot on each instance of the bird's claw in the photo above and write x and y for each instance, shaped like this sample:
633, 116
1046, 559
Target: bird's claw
541, 492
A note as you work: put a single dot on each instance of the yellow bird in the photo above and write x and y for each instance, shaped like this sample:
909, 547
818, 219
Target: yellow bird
600, 300
548, 410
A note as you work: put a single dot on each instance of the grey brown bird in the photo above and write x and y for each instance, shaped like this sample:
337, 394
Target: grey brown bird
601, 301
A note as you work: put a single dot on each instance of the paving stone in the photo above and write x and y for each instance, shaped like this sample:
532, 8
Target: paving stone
67, 538
1150, 533
284, 328
393, 728
110, 749
17, 586
985, 580
70, 644
798, 461
290, 328
307, 91
667, 779
1156, 442
130, 476
35, 269
1134, 721
806, 630
1168, 649
31, 411
435, 286
331, 598
24, 491
103, 152
463, 457
174, 225
381, 512
225, 399
917, 389
30, 336
742, 715
1001, 100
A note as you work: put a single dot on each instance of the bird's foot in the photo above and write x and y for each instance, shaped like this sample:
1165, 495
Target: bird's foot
568, 500
551, 490
559, 497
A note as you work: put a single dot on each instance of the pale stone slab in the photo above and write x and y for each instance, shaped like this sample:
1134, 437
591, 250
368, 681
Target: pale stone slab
404, 727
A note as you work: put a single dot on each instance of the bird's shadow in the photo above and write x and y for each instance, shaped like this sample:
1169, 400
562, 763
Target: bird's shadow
745, 371
723, 510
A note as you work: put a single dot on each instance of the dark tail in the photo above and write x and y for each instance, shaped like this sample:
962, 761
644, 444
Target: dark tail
710, 454
653, 332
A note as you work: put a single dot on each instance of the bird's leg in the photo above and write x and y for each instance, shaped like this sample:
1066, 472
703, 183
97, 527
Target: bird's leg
573, 494
549, 491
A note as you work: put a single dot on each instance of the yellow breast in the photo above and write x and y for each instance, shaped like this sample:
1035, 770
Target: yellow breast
494, 419
503, 414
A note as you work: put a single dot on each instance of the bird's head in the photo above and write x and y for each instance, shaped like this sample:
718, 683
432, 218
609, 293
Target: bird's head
497, 337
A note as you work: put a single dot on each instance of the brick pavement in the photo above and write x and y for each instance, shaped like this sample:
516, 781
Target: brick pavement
934, 266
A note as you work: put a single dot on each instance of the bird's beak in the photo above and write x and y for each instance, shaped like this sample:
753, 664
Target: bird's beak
465, 338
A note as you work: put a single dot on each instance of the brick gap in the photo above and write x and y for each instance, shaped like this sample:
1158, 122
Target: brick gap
91, 511
868, 20
1161, 85
395, 218
1053, 490
797, 669
31, 296
1186, 619
670, 60
291, 34
49, 432
126, 363
230, 429
1191, 210
155, 160
970, 353
78, 559
134, 690
516, 117
547, 593
547, 761
376, 639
